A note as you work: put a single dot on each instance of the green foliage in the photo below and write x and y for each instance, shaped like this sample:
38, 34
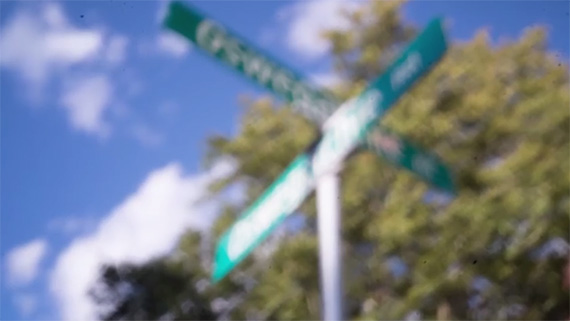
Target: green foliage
497, 114
149, 292
482, 105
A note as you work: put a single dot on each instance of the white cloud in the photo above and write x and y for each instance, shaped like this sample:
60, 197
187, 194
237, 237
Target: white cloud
72, 225
307, 19
167, 42
162, 10
85, 102
35, 45
23, 262
26, 304
38, 43
145, 225
172, 44
146, 135
116, 51
53, 16
71, 46
235, 193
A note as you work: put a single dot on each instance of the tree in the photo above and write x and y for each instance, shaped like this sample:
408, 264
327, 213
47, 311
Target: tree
164, 288
497, 114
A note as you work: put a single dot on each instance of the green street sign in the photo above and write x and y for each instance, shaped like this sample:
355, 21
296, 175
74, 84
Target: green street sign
235, 52
403, 154
281, 198
348, 126
245, 58
343, 131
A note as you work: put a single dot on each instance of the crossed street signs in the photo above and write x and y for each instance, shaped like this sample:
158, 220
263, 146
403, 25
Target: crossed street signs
351, 125
316, 105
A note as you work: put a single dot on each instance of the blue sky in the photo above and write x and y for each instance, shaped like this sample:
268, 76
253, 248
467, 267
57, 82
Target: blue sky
104, 119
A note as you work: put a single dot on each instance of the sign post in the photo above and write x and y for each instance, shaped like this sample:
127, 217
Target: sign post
330, 246
341, 135
350, 126
342, 132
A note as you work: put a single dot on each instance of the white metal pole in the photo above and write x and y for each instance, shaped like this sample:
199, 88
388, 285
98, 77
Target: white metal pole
328, 220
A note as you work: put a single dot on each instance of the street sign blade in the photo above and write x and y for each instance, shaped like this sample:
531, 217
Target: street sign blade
403, 154
343, 133
283, 197
250, 61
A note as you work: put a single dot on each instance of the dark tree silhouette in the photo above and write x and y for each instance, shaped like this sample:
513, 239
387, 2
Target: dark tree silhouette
149, 292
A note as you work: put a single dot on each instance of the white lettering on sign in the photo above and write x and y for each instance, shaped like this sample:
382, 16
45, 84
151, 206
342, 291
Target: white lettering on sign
210, 36
343, 131
213, 38
295, 190
370, 101
283, 82
424, 165
406, 70
236, 244
258, 68
389, 145
234, 52
283, 200
340, 114
302, 98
